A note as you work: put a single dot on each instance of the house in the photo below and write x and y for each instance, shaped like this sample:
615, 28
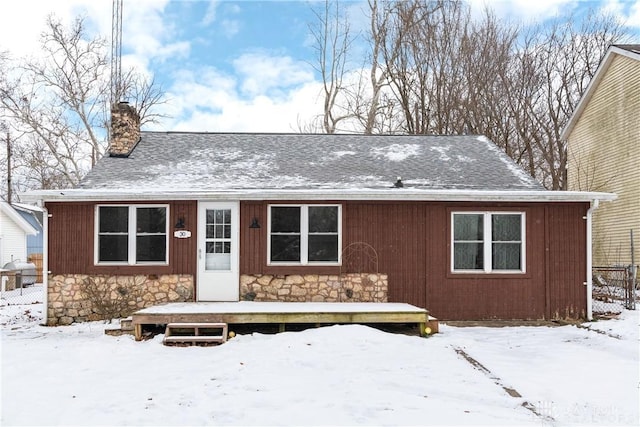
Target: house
14, 231
33, 215
603, 140
447, 223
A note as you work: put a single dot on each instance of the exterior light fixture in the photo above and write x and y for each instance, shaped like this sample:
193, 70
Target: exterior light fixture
180, 223
254, 223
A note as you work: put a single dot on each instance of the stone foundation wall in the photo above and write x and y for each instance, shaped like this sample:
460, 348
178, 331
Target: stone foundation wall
360, 287
80, 297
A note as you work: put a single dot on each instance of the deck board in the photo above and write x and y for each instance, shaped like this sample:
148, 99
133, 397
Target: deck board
246, 312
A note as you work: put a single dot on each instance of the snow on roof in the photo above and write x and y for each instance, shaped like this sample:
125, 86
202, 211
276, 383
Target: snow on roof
176, 161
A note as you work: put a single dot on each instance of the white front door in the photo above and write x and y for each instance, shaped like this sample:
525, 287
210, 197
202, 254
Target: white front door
218, 239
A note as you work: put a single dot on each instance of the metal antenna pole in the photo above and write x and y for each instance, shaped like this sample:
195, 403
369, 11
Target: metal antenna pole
8, 168
116, 52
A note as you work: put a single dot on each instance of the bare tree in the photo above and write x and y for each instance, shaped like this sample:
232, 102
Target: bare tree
560, 61
432, 69
372, 107
332, 39
60, 104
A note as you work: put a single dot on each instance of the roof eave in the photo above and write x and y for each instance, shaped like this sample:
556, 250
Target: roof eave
18, 219
324, 194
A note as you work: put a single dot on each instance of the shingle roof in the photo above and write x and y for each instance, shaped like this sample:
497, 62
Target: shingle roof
235, 161
635, 48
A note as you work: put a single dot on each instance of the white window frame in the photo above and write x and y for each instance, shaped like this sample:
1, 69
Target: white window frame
488, 241
304, 235
131, 235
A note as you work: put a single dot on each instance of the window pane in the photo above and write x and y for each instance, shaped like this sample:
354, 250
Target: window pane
285, 219
210, 229
506, 256
323, 219
218, 247
114, 219
506, 228
468, 256
113, 248
151, 248
285, 248
468, 227
323, 247
219, 230
151, 220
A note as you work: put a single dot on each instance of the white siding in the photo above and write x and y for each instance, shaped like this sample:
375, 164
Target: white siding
13, 240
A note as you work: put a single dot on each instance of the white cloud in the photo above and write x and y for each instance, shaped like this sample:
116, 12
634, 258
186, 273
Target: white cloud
261, 73
230, 27
524, 10
626, 12
208, 100
634, 15
146, 34
210, 14
21, 22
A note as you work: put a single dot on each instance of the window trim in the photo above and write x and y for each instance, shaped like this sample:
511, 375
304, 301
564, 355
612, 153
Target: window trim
304, 236
488, 242
132, 235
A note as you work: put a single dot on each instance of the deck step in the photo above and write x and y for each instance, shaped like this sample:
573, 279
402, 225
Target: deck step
193, 333
126, 324
126, 328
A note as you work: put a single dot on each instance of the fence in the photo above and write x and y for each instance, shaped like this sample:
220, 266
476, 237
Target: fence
16, 289
36, 259
614, 289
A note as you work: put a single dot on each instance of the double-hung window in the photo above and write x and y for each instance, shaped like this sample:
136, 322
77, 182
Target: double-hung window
132, 234
488, 242
304, 234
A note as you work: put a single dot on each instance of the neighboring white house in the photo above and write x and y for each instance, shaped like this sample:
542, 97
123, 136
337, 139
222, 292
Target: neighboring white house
14, 230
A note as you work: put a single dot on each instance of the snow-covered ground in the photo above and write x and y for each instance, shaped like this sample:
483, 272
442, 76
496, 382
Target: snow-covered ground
338, 375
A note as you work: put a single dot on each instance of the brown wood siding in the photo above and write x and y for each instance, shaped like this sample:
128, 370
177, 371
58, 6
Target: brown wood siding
183, 252
488, 296
397, 231
253, 248
567, 259
70, 237
71, 241
412, 240
253, 242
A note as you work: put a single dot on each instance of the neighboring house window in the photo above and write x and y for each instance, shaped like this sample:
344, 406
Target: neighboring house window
132, 234
307, 234
488, 242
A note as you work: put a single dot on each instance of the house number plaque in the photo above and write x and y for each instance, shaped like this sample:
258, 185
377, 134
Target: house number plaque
182, 234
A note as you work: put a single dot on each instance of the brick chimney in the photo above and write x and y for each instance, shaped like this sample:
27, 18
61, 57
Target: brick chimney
125, 129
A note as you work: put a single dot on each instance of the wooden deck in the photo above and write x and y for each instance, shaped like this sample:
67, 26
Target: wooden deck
281, 313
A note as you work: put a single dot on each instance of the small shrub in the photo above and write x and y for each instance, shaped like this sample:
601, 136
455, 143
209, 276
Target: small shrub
111, 299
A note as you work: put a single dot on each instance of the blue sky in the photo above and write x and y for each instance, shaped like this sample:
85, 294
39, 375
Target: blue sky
234, 65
